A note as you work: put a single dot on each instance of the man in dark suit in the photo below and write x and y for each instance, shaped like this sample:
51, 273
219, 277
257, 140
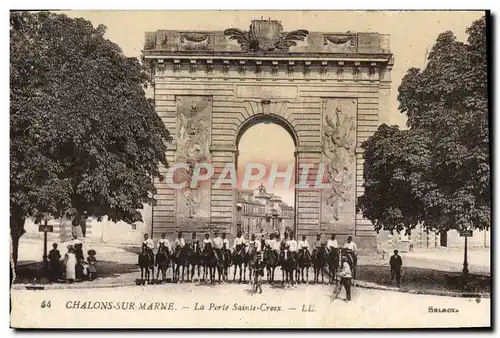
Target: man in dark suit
396, 262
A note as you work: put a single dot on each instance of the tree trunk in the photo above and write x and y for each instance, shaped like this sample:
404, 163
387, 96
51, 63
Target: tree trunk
16, 231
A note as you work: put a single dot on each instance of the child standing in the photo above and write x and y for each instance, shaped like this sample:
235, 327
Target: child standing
92, 270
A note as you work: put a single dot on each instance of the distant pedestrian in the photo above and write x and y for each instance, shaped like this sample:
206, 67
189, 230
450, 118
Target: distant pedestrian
54, 266
396, 262
345, 277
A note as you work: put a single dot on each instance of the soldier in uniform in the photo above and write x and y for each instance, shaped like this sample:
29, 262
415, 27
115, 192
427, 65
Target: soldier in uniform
317, 243
218, 245
239, 242
179, 241
164, 242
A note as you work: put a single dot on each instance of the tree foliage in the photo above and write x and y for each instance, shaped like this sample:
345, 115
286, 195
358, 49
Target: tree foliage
84, 137
436, 173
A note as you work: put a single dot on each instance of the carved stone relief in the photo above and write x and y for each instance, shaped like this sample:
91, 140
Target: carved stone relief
193, 140
338, 153
340, 42
196, 40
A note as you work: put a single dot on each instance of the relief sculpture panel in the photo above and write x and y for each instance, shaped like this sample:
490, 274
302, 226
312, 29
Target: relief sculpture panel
338, 153
193, 142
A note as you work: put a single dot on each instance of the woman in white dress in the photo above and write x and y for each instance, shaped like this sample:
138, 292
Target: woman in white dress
70, 262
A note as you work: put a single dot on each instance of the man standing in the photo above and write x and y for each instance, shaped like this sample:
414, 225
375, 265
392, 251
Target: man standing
217, 243
345, 277
332, 243
396, 262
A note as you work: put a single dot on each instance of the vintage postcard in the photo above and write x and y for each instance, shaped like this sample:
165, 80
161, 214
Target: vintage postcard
250, 169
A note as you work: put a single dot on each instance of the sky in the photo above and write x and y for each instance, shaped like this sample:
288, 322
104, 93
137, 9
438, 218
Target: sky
412, 35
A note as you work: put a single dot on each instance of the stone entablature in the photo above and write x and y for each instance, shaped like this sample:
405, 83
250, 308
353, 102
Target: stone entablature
265, 51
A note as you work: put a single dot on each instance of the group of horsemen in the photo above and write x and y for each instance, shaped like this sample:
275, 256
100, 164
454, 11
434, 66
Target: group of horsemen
221, 243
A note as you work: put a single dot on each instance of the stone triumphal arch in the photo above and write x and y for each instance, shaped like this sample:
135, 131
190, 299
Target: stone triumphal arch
326, 89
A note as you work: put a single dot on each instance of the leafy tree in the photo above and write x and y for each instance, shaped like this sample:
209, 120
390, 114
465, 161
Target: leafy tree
436, 173
85, 140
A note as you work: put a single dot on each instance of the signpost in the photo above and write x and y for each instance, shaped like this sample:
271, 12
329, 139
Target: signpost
45, 228
465, 271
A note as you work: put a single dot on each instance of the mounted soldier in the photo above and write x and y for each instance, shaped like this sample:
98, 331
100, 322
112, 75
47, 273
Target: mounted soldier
194, 256
148, 242
218, 245
304, 259
163, 241
350, 250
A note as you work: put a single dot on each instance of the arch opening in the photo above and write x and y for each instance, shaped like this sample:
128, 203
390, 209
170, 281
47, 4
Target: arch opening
266, 204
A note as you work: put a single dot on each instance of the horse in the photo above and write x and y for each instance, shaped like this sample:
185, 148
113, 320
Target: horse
304, 262
271, 261
220, 263
256, 266
239, 260
146, 262
226, 263
288, 264
179, 260
162, 261
194, 259
351, 260
209, 261
333, 260
319, 261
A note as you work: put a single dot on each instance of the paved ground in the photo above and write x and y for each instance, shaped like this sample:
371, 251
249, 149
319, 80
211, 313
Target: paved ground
303, 306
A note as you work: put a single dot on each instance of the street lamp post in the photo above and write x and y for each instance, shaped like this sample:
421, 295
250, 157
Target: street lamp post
465, 270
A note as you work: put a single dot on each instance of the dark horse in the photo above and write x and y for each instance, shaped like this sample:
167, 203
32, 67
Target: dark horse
225, 263
351, 260
304, 261
194, 259
162, 261
146, 263
333, 261
239, 260
209, 261
271, 261
257, 267
288, 263
319, 261
179, 259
